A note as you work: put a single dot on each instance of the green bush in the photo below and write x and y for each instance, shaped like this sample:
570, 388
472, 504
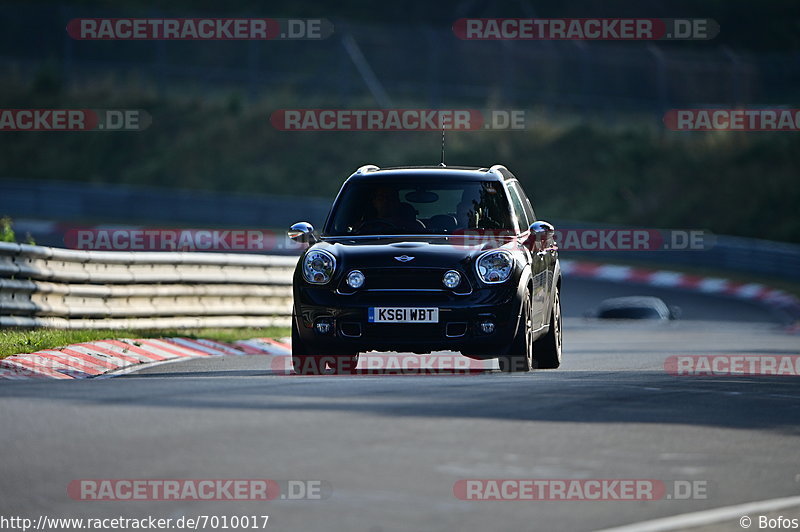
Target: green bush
6, 230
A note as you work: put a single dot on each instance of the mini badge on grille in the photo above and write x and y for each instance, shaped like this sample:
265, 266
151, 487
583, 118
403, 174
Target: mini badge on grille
404, 258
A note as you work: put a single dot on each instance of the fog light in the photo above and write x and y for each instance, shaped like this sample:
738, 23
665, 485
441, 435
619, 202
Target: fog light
452, 279
355, 279
486, 327
323, 326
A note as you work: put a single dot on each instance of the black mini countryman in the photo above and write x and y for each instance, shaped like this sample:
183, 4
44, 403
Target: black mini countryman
422, 259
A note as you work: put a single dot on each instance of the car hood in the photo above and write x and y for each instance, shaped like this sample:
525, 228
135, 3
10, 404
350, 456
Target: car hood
428, 252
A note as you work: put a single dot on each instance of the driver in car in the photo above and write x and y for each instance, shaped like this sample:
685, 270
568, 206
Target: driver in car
390, 212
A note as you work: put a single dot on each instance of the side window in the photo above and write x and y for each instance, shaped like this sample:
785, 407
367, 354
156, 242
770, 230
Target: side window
519, 210
526, 203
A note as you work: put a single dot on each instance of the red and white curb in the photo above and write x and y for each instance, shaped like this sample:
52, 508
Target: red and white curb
669, 279
91, 359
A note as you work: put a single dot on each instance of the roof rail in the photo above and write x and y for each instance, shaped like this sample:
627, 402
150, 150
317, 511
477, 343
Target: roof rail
501, 170
366, 168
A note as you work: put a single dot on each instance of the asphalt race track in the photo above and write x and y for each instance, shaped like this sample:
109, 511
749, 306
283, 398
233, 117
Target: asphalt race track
392, 447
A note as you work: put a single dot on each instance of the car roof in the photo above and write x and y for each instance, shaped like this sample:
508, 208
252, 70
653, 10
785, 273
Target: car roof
371, 172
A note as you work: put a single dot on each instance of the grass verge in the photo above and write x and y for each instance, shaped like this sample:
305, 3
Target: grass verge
15, 341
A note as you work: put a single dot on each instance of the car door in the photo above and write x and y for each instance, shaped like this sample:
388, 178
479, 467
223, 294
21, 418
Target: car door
543, 234
538, 264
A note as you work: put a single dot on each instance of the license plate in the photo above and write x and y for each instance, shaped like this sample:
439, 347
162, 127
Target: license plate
403, 315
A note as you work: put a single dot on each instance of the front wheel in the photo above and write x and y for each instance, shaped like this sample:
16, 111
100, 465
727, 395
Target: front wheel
303, 362
547, 349
309, 365
344, 364
520, 355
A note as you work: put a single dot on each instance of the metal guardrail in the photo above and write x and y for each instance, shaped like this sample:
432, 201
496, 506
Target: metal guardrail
114, 206
742, 255
72, 289
51, 287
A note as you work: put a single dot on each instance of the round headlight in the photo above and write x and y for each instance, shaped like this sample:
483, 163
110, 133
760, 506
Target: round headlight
318, 266
451, 279
495, 266
355, 279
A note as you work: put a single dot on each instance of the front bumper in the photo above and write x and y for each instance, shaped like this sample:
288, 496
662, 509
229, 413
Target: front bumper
457, 329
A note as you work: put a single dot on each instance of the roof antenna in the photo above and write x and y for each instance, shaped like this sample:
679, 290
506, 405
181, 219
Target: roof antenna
442, 163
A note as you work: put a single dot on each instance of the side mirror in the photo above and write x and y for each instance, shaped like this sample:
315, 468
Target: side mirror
542, 235
302, 232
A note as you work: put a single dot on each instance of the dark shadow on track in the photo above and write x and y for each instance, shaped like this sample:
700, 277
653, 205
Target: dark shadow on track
649, 397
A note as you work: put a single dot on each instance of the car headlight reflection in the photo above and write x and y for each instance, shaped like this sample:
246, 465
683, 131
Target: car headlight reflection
318, 266
495, 266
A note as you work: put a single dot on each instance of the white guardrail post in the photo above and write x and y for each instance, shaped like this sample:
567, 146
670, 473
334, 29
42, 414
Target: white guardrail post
62, 288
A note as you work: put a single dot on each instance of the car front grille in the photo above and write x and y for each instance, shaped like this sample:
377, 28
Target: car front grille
407, 279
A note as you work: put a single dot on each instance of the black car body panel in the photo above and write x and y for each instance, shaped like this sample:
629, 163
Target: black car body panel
406, 270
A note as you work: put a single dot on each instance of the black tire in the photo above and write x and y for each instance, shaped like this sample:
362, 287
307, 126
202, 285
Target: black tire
303, 362
344, 364
547, 349
520, 354
309, 365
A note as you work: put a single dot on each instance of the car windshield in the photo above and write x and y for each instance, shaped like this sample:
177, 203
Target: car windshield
394, 207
